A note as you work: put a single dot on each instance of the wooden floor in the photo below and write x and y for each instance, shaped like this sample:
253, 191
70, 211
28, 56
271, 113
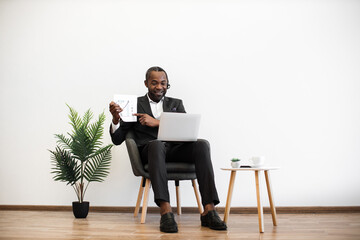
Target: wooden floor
62, 225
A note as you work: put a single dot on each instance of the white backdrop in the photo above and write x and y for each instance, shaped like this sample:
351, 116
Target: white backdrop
273, 78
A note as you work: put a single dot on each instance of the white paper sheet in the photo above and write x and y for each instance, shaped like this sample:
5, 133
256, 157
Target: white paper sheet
129, 105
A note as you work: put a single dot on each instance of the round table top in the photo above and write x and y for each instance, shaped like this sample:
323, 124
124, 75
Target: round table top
262, 168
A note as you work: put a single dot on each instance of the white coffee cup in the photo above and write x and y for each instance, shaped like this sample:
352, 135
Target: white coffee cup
257, 161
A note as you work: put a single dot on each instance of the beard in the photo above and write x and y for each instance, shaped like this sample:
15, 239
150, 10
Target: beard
156, 96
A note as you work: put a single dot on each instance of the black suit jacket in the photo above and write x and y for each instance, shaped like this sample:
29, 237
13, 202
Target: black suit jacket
144, 134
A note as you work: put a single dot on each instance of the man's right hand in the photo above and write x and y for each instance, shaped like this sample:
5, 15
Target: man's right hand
115, 111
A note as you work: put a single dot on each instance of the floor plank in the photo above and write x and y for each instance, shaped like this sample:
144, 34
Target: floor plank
62, 225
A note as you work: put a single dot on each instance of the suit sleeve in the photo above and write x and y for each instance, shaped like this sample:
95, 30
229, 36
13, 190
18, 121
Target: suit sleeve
119, 135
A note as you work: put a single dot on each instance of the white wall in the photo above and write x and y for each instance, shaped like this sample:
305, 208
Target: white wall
273, 78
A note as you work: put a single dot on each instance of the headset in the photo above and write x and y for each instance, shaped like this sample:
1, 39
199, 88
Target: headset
168, 84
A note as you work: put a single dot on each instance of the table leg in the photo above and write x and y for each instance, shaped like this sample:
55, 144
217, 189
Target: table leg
259, 205
229, 196
271, 200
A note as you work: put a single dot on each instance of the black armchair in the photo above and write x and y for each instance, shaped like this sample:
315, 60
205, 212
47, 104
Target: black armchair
175, 171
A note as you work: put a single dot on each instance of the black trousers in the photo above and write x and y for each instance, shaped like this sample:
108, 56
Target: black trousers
156, 153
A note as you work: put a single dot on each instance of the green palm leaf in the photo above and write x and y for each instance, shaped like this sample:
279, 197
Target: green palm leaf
65, 167
95, 131
81, 145
87, 117
75, 120
64, 141
98, 166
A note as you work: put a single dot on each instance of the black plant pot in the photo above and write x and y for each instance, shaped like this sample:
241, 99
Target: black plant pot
80, 210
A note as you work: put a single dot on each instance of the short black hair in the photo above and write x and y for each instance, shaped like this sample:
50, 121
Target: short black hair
156, 69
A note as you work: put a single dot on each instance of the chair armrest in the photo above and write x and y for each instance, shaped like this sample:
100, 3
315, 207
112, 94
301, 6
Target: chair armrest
135, 159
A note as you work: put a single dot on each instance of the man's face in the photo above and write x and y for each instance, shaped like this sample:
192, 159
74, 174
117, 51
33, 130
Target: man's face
157, 85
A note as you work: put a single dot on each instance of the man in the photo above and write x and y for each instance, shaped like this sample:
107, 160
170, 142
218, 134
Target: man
156, 153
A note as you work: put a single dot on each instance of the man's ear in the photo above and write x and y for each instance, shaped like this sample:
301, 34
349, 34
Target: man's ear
145, 82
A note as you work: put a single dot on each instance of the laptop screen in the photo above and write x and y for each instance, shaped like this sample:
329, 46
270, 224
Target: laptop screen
180, 127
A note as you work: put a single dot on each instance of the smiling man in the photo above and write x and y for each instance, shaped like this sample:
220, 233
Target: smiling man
156, 153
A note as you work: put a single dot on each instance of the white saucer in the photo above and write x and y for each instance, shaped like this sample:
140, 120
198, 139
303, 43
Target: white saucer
257, 166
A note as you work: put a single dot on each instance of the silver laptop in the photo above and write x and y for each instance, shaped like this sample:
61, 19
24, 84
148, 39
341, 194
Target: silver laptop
179, 127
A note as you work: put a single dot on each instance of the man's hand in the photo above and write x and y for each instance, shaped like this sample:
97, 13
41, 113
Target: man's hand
115, 110
147, 120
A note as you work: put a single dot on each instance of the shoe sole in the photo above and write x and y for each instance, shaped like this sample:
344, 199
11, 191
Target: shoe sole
169, 231
213, 228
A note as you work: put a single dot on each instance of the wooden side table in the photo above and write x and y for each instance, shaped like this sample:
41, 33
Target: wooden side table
266, 171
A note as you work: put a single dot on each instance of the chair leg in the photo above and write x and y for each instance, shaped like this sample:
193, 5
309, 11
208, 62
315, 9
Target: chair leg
145, 201
139, 198
178, 204
197, 196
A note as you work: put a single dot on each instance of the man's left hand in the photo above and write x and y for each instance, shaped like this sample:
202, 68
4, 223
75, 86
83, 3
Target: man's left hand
147, 120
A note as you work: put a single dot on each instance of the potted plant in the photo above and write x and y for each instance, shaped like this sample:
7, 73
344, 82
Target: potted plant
235, 163
79, 158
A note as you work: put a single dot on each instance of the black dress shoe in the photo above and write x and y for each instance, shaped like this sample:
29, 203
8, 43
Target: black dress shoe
213, 221
167, 223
